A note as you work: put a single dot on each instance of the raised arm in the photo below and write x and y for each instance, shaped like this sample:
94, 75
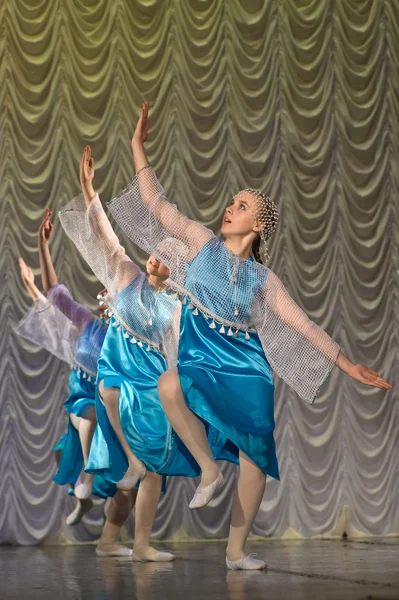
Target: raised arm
57, 294
86, 223
29, 280
300, 351
44, 324
143, 211
49, 276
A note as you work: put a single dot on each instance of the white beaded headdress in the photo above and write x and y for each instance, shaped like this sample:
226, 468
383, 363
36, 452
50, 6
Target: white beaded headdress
267, 214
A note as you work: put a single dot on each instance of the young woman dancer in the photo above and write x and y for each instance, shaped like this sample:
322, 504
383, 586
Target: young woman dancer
47, 326
238, 324
132, 443
89, 336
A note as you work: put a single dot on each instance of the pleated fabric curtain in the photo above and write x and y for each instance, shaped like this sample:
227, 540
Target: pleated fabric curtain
297, 98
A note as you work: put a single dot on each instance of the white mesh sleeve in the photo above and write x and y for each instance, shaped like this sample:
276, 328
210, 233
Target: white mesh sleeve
61, 297
46, 326
299, 351
92, 234
143, 212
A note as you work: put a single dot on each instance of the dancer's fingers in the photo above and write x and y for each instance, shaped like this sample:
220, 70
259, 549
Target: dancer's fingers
81, 165
384, 383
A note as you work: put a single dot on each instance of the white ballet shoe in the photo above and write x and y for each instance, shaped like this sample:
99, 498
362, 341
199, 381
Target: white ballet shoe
154, 556
130, 479
204, 495
82, 507
247, 563
120, 551
83, 491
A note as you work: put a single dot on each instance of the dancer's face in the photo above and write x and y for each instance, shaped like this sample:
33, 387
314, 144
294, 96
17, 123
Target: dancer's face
239, 217
157, 269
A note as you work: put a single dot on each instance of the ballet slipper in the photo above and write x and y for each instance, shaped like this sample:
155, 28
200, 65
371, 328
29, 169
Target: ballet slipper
204, 495
247, 563
153, 555
130, 479
119, 551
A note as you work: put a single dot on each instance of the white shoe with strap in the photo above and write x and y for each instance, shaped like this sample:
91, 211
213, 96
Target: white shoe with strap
247, 563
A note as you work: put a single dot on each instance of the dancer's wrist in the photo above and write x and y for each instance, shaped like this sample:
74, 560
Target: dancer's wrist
137, 144
88, 192
344, 364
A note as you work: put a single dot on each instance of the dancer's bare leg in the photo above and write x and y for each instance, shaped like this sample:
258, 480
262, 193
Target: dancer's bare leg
110, 398
85, 425
82, 507
119, 509
187, 425
246, 503
146, 507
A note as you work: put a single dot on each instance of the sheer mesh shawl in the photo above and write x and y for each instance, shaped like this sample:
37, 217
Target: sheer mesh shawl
241, 294
151, 316
76, 313
46, 326
65, 328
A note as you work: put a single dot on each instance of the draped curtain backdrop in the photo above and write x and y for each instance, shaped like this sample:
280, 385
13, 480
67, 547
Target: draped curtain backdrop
298, 98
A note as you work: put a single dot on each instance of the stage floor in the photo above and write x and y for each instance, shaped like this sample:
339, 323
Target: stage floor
298, 570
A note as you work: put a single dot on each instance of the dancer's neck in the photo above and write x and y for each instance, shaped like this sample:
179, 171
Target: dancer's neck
239, 246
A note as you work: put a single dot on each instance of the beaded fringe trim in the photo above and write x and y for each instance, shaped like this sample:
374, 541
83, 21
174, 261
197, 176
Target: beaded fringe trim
142, 342
225, 327
89, 375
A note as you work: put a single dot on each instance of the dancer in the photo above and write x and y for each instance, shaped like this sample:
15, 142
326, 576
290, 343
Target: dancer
82, 505
90, 332
48, 327
238, 324
132, 443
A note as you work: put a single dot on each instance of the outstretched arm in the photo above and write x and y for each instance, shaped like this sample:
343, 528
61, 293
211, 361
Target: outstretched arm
49, 276
361, 373
308, 335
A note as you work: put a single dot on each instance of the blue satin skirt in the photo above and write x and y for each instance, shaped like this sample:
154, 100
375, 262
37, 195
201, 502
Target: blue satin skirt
228, 383
81, 394
101, 487
81, 398
135, 372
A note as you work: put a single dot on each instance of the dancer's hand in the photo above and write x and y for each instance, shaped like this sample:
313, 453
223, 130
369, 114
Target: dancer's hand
46, 228
86, 167
26, 273
368, 377
86, 174
141, 132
